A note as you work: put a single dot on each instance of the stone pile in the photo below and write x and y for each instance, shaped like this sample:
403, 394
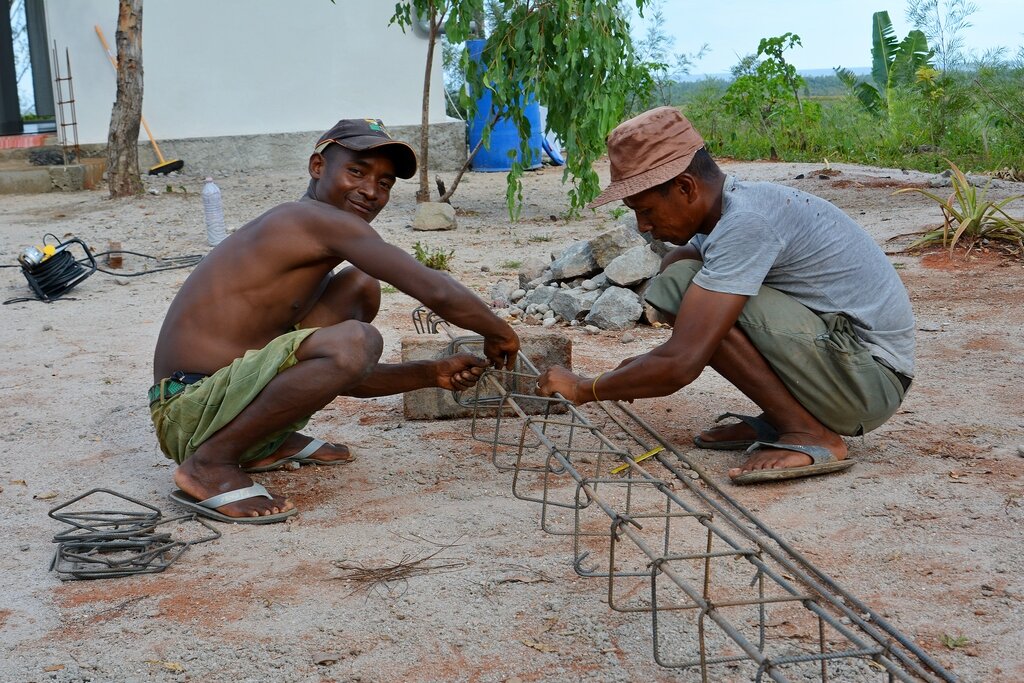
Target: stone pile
597, 283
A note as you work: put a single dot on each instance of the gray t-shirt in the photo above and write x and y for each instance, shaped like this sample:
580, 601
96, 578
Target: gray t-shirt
807, 248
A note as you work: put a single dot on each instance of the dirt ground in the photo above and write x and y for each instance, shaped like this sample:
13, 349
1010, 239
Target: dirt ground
926, 528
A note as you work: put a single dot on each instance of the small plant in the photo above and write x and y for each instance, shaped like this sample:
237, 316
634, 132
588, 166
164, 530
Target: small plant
546, 237
970, 217
618, 212
953, 642
435, 258
510, 265
388, 289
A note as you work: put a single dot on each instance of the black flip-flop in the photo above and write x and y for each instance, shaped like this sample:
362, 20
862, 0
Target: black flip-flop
763, 432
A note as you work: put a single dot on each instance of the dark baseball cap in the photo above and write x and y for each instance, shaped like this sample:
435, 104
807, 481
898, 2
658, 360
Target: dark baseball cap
362, 134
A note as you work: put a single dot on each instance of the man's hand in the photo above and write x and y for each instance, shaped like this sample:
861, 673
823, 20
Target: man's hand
501, 351
558, 380
459, 372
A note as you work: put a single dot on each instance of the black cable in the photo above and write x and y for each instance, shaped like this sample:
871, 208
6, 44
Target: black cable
177, 261
51, 278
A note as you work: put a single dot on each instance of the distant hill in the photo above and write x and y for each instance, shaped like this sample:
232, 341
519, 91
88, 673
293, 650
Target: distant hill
725, 76
820, 83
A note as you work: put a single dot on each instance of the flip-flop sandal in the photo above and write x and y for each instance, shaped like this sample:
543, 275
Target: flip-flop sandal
207, 508
763, 432
823, 463
303, 457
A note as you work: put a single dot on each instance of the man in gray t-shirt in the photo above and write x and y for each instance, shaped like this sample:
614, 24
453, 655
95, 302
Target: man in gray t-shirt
779, 291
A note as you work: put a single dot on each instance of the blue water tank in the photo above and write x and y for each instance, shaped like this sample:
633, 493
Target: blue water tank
504, 135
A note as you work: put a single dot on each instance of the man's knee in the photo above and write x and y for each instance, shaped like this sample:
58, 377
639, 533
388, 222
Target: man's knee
354, 346
687, 252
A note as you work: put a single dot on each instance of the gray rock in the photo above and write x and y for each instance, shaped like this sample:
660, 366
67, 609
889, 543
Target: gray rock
616, 309
548, 322
541, 295
636, 265
517, 295
531, 269
544, 278
434, 216
501, 293
627, 338
608, 245
576, 260
573, 304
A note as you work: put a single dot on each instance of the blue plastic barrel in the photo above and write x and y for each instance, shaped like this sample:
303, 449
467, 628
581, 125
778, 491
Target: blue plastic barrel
504, 135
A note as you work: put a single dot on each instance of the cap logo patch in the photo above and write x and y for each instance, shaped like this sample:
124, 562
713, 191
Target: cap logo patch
377, 126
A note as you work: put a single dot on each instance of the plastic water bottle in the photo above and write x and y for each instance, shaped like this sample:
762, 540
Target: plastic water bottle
213, 211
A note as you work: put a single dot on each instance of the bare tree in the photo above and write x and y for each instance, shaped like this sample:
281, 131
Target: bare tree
123, 139
943, 23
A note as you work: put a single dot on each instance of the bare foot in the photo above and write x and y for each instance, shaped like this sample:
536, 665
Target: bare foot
201, 480
327, 454
773, 458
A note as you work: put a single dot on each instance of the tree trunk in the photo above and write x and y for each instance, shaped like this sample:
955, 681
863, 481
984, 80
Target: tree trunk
123, 139
423, 194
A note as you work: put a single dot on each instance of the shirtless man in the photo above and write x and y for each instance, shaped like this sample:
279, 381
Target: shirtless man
263, 333
779, 291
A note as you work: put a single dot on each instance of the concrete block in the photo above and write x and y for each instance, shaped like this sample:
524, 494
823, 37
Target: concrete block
25, 181
544, 349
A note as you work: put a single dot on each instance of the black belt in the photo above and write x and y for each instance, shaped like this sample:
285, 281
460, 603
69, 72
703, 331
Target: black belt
173, 385
903, 379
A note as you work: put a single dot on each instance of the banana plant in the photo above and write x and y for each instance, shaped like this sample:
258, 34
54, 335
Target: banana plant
894, 64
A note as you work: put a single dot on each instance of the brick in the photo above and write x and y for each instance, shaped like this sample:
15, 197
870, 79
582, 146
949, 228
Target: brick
544, 349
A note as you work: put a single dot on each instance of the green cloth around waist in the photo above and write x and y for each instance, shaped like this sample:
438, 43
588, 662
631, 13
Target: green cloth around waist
198, 411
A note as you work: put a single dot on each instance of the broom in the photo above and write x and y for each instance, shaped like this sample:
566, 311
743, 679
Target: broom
166, 165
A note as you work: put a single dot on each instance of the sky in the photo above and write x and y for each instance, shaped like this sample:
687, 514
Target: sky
833, 32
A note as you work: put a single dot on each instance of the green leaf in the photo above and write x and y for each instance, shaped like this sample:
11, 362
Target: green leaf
883, 50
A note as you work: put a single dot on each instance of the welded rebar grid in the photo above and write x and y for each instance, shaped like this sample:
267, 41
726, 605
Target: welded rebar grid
725, 594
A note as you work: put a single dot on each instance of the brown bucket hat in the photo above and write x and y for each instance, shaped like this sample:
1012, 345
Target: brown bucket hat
364, 134
648, 150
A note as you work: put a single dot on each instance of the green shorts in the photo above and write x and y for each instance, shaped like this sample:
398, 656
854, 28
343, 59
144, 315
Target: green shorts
194, 414
818, 357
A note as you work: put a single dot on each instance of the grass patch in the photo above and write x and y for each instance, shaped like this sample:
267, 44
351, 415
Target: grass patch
388, 289
953, 642
436, 258
546, 237
510, 265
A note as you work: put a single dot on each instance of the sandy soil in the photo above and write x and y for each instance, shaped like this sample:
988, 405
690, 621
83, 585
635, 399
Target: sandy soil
927, 528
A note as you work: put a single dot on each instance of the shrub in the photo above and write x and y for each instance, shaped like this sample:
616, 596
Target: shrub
435, 258
970, 217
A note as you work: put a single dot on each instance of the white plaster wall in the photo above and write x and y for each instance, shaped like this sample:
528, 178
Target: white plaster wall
237, 67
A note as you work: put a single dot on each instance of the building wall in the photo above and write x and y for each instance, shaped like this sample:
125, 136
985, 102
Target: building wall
249, 67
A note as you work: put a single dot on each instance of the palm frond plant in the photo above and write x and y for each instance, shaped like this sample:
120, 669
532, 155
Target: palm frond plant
969, 216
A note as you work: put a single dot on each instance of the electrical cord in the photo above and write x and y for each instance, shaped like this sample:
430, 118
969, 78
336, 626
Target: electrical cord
55, 275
